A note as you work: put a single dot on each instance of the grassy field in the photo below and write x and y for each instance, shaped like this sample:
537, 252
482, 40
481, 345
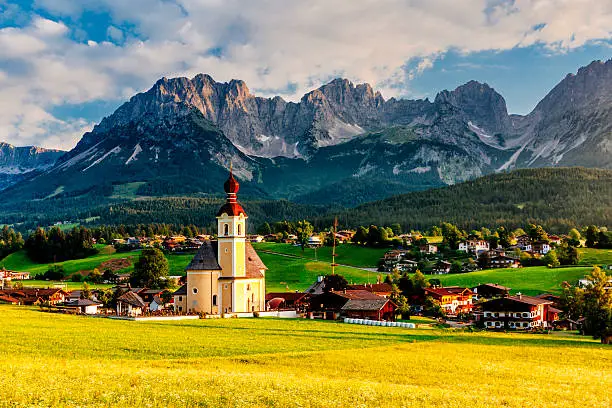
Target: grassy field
19, 261
348, 254
288, 273
529, 281
591, 256
73, 361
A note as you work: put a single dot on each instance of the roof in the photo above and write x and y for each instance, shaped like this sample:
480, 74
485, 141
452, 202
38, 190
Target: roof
493, 285
82, 302
375, 287
357, 294
232, 209
530, 300
206, 258
231, 186
449, 290
291, 296
132, 299
181, 291
8, 299
365, 304
254, 264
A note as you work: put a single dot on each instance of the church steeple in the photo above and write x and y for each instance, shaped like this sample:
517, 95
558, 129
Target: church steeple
231, 207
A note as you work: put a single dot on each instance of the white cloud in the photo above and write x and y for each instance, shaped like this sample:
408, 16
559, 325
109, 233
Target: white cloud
268, 44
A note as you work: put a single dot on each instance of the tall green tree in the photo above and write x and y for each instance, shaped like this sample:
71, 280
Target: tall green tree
151, 270
303, 230
591, 234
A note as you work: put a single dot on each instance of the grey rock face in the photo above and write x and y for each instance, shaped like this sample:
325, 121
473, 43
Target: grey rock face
17, 163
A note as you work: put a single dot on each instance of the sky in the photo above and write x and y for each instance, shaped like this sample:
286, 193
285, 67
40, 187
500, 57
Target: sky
65, 64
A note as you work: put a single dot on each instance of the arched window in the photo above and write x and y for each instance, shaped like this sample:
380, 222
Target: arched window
239, 229
226, 229
214, 300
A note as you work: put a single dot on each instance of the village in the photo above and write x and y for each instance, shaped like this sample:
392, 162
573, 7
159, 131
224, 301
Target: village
226, 278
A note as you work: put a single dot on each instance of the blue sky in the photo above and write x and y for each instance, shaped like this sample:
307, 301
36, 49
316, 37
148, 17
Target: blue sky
65, 64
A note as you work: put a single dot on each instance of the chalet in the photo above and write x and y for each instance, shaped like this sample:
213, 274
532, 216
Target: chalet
30, 296
502, 261
556, 300
518, 313
290, 300
489, 291
149, 294
407, 265
380, 289
475, 246
428, 249
524, 242
180, 299
453, 299
84, 306
353, 303
256, 238
12, 275
78, 294
314, 241
541, 247
554, 239
130, 304
441, 268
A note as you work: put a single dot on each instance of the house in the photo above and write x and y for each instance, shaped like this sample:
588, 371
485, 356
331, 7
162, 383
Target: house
318, 287
372, 309
78, 294
518, 312
256, 238
380, 289
489, 291
157, 304
180, 299
524, 242
502, 261
130, 304
290, 300
541, 247
475, 246
314, 241
352, 303
30, 296
407, 265
428, 249
556, 300
453, 299
554, 239
441, 267
84, 306
149, 294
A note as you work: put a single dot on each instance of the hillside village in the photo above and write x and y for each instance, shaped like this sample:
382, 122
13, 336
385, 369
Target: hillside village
227, 278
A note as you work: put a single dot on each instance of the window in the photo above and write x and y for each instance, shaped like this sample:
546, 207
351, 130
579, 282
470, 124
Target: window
180, 309
226, 229
194, 290
180, 298
226, 250
249, 286
214, 300
239, 229
225, 286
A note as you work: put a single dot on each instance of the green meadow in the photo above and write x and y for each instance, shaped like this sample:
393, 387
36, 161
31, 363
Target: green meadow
53, 360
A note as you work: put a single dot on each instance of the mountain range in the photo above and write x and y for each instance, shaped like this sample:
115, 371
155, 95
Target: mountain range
341, 143
19, 163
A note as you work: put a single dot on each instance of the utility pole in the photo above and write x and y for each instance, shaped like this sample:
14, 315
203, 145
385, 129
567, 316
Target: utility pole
334, 264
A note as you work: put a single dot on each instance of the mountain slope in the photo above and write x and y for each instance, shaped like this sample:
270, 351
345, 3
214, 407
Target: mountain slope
19, 163
559, 198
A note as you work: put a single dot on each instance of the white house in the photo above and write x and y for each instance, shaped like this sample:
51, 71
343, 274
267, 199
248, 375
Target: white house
314, 241
476, 246
156, 304
85, 306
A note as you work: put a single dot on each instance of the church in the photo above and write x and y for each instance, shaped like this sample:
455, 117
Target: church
226, 275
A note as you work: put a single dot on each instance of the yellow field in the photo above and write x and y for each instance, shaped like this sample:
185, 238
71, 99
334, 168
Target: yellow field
57, 360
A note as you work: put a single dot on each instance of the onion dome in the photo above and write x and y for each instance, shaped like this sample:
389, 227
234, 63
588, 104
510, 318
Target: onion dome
231, 186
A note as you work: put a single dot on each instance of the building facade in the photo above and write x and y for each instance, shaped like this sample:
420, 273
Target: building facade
518, 312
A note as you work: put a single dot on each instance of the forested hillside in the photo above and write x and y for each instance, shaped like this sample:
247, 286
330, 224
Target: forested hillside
557, 198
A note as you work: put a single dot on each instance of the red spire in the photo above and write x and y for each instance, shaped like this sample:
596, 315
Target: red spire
231, 206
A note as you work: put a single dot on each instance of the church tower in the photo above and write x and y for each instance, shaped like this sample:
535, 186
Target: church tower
227, 275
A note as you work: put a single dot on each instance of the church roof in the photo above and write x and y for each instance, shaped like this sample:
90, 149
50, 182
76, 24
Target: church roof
254, 264
206, 258
233, 209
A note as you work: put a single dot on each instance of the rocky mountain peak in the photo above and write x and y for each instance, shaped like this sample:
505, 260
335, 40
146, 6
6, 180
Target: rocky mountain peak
479, 104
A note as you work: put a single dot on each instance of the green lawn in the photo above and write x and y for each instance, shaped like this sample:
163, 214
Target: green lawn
530, 281
73, 361
592, 256
288, 273
66, 285
348, 254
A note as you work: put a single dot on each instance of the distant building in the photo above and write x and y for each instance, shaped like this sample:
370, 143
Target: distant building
441, 268
475, 246
84, 306
428, 249
180, 299
541, 247
518, 312
352, 303
314, 241
502, 261
130, 304
489, 291
453, 299
380, 289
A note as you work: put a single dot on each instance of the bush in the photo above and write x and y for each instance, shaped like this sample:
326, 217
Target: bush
77, 277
